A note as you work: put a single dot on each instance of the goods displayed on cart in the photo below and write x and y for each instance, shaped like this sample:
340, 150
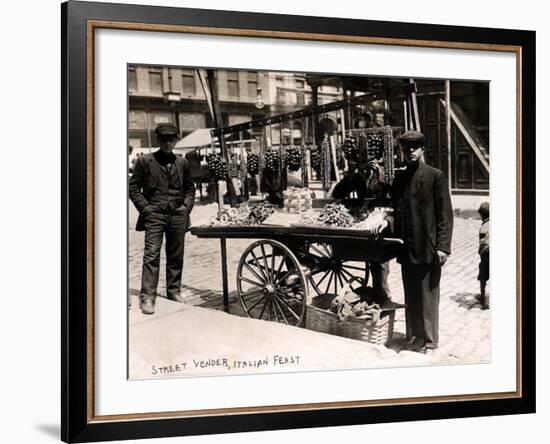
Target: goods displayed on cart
307, 248
332, 215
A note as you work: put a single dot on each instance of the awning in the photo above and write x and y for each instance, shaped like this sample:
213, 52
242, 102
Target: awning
198, 138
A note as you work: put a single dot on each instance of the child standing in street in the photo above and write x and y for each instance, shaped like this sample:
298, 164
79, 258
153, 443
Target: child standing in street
483, 275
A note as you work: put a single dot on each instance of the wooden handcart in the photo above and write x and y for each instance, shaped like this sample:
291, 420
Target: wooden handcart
279, 271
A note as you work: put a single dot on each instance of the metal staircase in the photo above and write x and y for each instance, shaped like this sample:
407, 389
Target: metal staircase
469, 133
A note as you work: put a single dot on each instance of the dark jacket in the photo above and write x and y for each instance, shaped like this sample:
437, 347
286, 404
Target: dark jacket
423, 214
146, 178
194, 158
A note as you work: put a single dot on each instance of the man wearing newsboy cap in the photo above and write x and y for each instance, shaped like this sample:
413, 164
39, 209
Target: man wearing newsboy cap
161, 190
423, 218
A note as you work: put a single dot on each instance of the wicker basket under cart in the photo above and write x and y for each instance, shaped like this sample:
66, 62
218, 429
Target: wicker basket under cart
320, 318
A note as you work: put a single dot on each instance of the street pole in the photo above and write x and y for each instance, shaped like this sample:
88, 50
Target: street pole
448, 128
213, 85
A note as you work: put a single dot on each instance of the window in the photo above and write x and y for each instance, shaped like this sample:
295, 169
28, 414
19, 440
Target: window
281, 96
137, 120
192, 121
232, 83
252, 84
155, 82
300, 84
132, 80
188, 83
300, 100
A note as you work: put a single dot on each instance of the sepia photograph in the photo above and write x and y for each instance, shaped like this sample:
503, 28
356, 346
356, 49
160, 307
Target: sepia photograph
305, 221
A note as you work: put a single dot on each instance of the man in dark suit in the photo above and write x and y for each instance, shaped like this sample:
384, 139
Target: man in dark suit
423, 218
161, 190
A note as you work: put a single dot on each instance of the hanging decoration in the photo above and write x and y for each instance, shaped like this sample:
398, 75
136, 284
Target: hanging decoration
293, 158
243, 164
389, 162
325, 164
375, 143
304, 156
253, 164
349, 148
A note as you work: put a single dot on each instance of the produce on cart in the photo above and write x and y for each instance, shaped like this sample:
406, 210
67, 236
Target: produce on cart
301, 253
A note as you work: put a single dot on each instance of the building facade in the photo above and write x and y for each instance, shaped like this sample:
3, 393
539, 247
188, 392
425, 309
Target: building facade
176, 95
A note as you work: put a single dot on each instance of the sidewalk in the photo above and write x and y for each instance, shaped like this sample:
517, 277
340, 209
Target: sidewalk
464, 328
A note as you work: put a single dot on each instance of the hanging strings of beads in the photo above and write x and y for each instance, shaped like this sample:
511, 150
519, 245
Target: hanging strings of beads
389, 164
261, 158
349, 147
271, 156
282, 163
243, 162
375, 145
216, 165
303, 156
325, 164
293, 156
253, 164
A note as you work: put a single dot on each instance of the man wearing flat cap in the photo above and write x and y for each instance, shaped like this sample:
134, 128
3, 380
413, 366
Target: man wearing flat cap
161, 190
423, 218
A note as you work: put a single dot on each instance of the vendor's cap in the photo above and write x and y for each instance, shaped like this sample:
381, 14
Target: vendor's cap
411, 138
166, 129
484, 209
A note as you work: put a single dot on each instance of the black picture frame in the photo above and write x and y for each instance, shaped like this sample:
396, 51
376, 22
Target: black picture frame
78, 423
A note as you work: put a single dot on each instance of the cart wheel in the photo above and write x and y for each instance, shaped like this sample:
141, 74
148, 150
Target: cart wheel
271, 283
327, 273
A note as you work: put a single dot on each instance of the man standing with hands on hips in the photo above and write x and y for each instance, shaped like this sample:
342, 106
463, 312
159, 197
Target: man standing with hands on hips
423, 218
161, 190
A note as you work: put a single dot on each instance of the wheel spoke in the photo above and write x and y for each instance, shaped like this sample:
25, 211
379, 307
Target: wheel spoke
256, 303
278, 305
280, 267
346, 272
254, 273
327, 288
267, 271
263, 309
323, 278
328, 250
256, 284
314, 248
283, 277
274, 307
270, 303
354, 267
314, 285
339, 275
316, 271
258, 265
290, 297
336, 282
288, 307
251, 293
272, 263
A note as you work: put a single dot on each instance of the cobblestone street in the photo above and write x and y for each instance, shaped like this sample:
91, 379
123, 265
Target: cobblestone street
464, 326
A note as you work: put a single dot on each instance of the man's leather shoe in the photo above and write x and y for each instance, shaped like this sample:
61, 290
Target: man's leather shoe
428, 351
177, 298
148, 307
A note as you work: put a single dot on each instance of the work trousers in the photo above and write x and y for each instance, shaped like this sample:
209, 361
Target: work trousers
159, 225
379, 272
421, 286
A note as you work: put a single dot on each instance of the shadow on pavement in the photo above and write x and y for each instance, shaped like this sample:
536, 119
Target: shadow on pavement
467, 300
